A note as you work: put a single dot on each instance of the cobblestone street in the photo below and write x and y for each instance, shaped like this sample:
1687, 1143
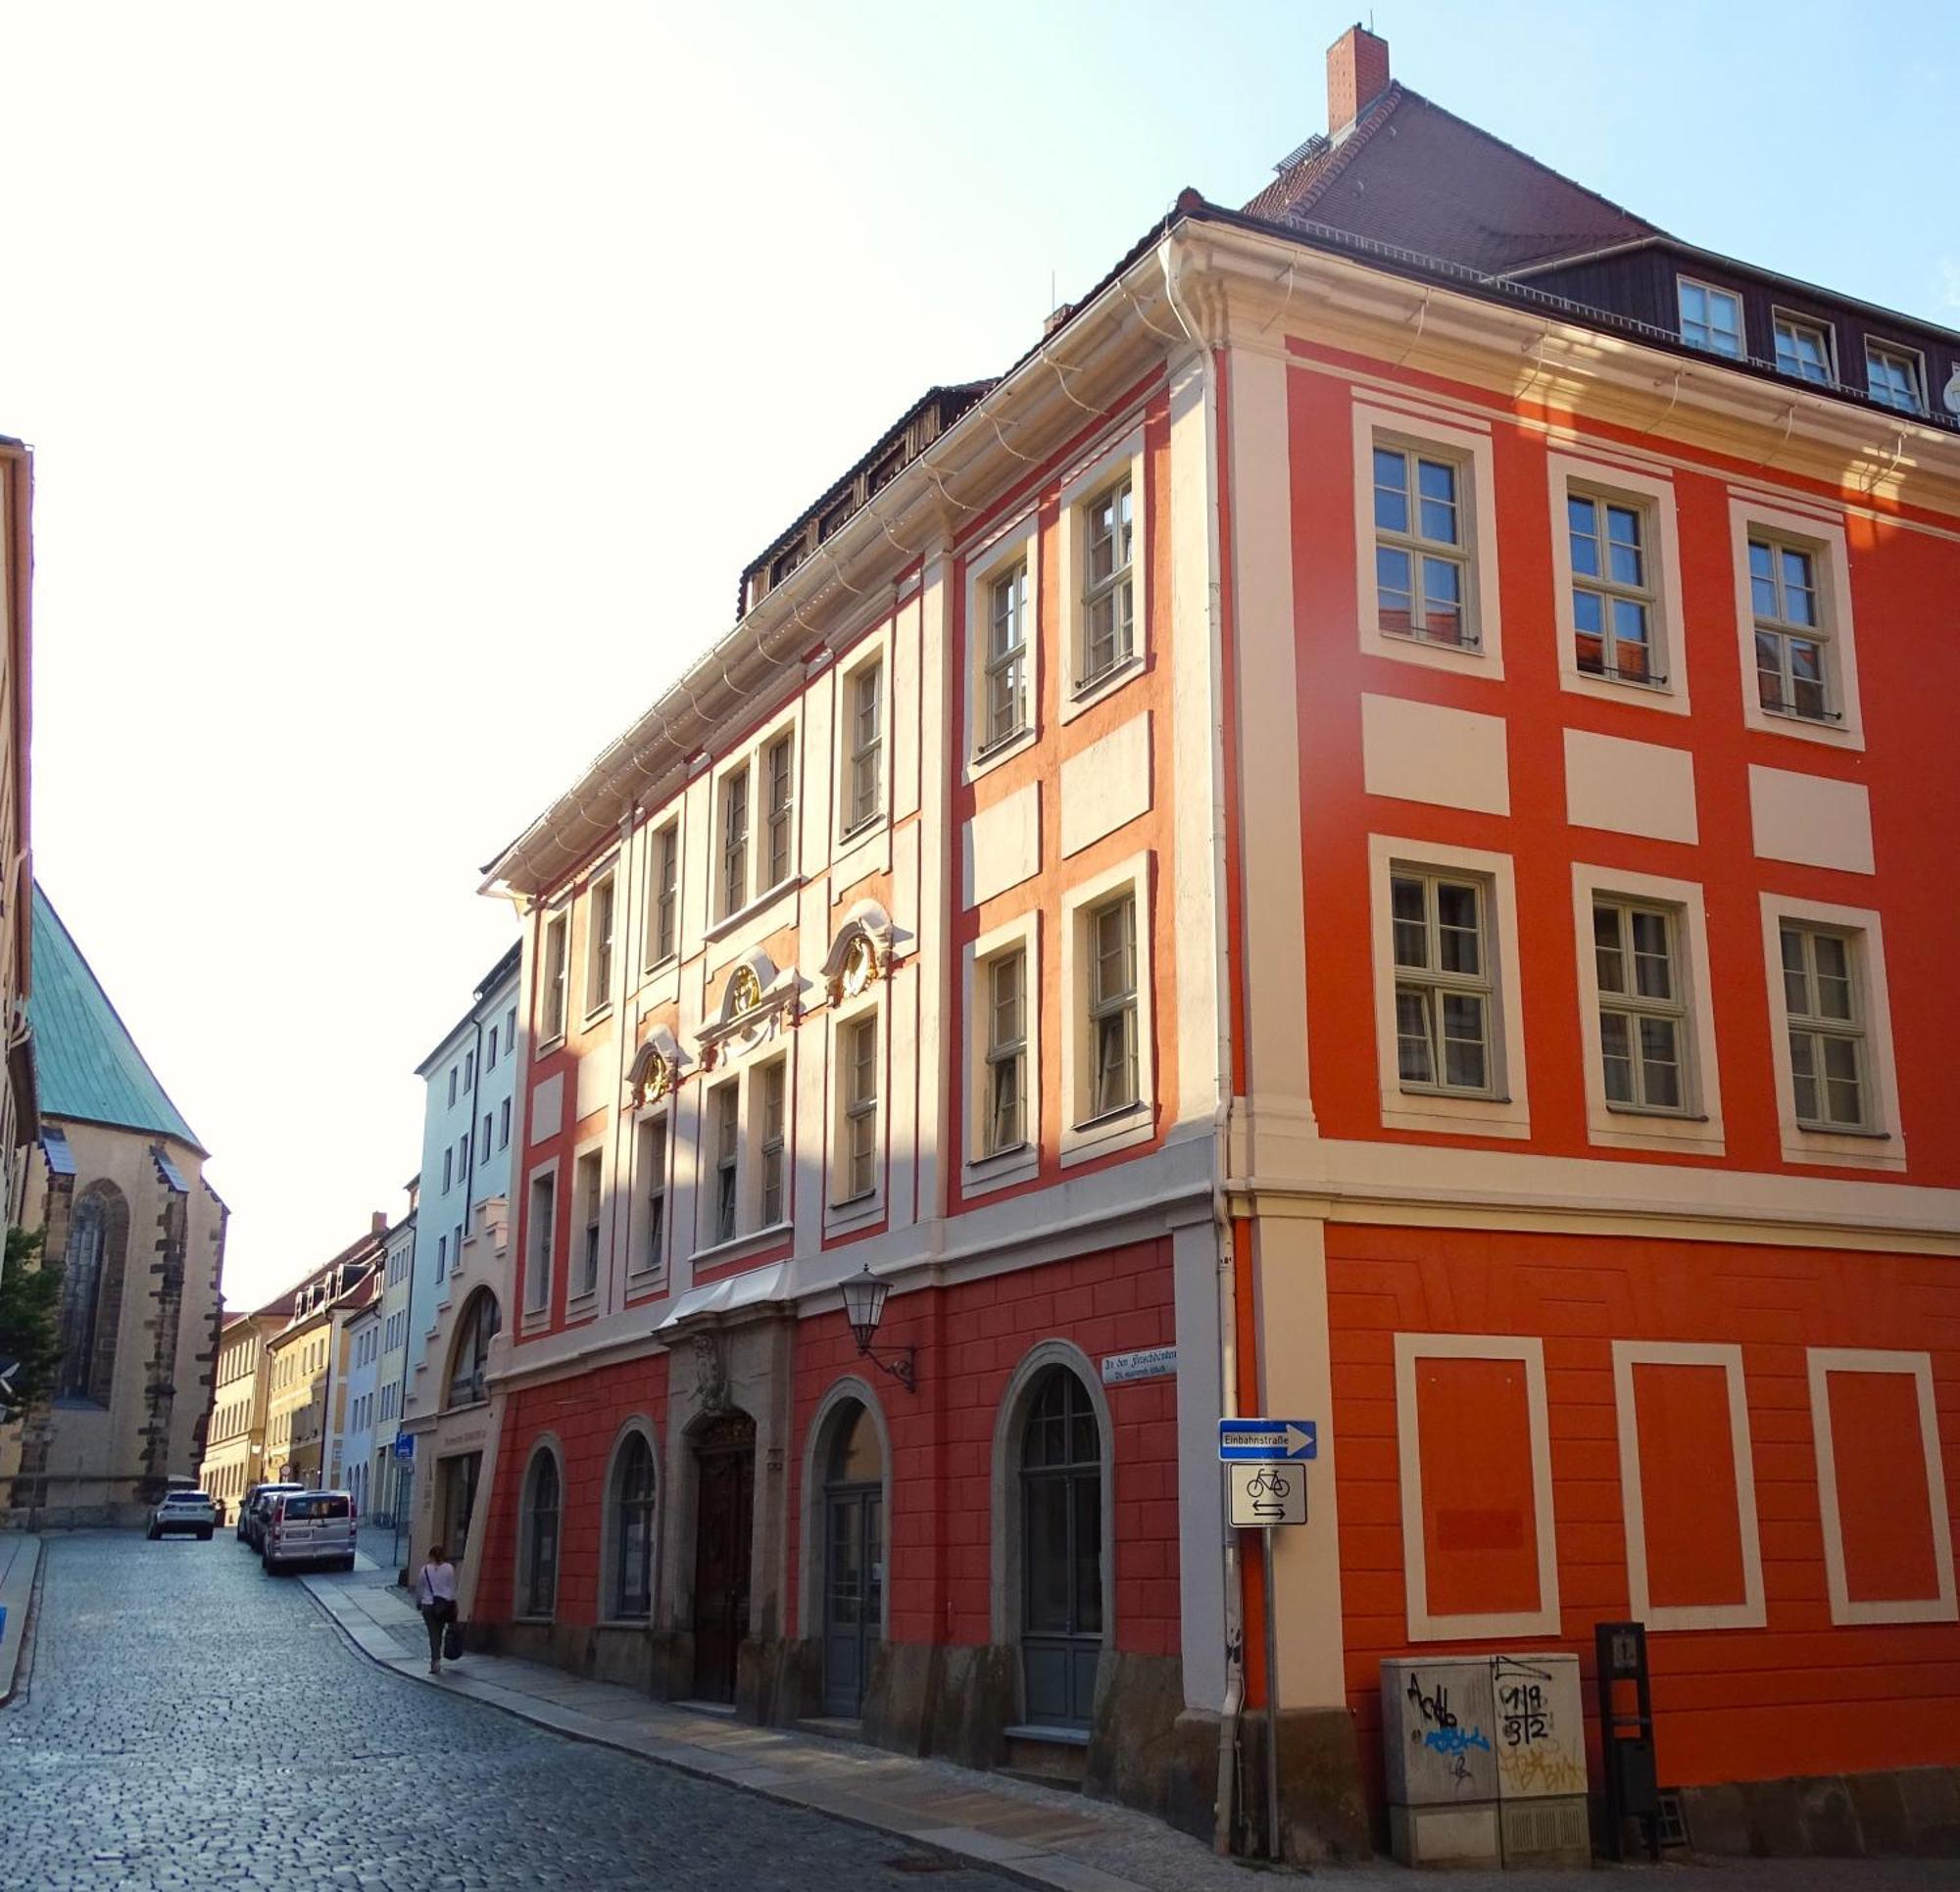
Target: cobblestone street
189, 1721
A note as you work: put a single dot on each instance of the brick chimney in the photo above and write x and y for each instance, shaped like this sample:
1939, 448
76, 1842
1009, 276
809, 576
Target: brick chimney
1357, 74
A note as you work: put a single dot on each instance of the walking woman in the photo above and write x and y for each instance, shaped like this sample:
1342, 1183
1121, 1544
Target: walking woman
435, 1597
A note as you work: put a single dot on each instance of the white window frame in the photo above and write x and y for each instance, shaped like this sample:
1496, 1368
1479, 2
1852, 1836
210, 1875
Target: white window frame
985, 1169
1821, 1363
751, 764
1434, 982
853, 756
1507, 1111
1423, 1625
1699, 1125
779, 819
1824, 538
1880, 1145
642, 1269
539, 1263
1913, 361
1751, 1612
1084, 1135
1742, 349
665, 838
1568, 474
1109, 466
729, 785
1470, 447
720, 1147
778, 1148
588, 1225
554, 987
601, 952
1019, 545
1780, 319
849, 1110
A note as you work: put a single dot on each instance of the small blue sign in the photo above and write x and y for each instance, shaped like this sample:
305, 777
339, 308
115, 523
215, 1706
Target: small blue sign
1270, 1440
405, 1445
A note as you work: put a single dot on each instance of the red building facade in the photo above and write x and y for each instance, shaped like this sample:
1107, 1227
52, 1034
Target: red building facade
1355, 837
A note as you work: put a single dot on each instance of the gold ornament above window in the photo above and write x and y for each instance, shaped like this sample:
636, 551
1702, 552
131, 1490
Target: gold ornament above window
745, 991
860, 966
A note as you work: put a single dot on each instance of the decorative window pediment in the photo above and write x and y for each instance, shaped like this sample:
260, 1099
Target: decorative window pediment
757, 1001
658, 1067
865, 948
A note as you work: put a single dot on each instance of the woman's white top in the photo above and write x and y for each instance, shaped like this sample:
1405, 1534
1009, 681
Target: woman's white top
437, 1584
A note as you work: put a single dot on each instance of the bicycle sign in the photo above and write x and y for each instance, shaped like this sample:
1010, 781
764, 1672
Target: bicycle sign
1265, 1495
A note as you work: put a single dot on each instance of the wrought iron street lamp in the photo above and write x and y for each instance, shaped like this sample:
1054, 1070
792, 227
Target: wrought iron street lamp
865, 1308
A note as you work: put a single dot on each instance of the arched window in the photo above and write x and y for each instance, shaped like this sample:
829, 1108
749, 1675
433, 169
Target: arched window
632, 1573
537, 1575
91, 1306
480, 1323
1062, 1550
854, 1557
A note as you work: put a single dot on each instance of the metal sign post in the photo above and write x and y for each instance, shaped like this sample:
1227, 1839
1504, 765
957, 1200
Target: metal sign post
1268, 1493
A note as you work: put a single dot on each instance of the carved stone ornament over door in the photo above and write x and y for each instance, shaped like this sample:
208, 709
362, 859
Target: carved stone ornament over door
710, 1375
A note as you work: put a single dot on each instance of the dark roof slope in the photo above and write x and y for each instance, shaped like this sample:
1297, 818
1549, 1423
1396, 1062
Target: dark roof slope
89, 1067
1418, 178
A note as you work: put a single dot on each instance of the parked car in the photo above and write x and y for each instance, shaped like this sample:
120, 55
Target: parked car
183, 1511
309, 1527
251, 1516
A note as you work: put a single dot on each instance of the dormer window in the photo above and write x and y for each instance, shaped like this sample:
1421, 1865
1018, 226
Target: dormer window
1711, 318
786, 563
1896, 378
887, 470
1803, 350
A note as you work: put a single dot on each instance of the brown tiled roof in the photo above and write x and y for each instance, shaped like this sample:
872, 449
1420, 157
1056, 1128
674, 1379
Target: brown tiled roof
1416, 177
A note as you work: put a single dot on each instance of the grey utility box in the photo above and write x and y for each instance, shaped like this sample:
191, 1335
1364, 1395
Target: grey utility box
1485, 1761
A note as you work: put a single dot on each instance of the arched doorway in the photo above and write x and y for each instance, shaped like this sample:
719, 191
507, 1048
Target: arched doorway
1062, 1550
853, 1558
724, 1518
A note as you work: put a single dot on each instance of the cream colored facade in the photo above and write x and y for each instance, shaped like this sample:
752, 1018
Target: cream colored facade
296, 1406
17, 1090
235, 1441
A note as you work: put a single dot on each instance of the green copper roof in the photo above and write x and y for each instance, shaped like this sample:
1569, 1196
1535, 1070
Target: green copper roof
86, 1063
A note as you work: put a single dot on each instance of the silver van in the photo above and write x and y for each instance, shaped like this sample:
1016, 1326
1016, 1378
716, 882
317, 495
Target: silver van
309, 1527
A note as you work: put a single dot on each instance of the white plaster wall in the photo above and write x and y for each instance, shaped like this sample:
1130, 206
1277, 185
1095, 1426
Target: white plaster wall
1630, 787
1428, 751
1811, 819
1000, 847
1106, 785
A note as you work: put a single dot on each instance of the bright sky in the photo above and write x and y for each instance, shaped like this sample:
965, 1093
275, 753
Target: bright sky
408, 384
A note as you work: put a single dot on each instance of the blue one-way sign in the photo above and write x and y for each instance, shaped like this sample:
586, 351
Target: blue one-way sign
1270, 1440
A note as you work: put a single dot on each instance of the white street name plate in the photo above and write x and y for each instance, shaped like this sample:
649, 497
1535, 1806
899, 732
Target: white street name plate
1267, 1494
1146, 1363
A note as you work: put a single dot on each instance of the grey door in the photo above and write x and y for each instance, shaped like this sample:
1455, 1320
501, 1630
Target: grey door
853, 1567
1061, 1552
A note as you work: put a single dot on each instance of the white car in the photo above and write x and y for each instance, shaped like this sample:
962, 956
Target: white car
183, 1511
309, 1527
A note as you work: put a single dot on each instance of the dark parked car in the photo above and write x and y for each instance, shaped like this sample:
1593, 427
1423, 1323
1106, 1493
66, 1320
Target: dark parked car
256, 1508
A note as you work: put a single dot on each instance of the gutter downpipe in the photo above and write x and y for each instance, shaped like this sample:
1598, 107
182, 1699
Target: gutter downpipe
1233, 1706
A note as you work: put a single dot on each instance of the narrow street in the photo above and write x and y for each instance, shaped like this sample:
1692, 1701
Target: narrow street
189, 1721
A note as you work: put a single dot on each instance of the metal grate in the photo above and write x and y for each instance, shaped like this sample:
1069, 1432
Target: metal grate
1673, 1819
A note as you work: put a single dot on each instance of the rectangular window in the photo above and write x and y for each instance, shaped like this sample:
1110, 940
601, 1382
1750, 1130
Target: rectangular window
1790, 644
510, 1028
654, 1190
1803, 349
447, 1169
725, 1120
1827, 1028
734, 842
441, 1256
1612, 587
454, 1074
598, 950
469, 1070
490, 1053
537, 1275
586, 1183
1893, 376
857, 1050
1007, 1053
486, 1136
782, 808
774, 1203
1643, 1014
1443, 983
555, 971
1112, 1006
1422, 568
503, 1125
1109, 590
867, 747
666, 893
456, 1248
1711, 318
1007, 713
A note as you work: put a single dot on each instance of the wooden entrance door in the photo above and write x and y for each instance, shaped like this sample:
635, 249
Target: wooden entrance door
724, 1521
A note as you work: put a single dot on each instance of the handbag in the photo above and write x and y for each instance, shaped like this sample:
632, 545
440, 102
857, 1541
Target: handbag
452, 1640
